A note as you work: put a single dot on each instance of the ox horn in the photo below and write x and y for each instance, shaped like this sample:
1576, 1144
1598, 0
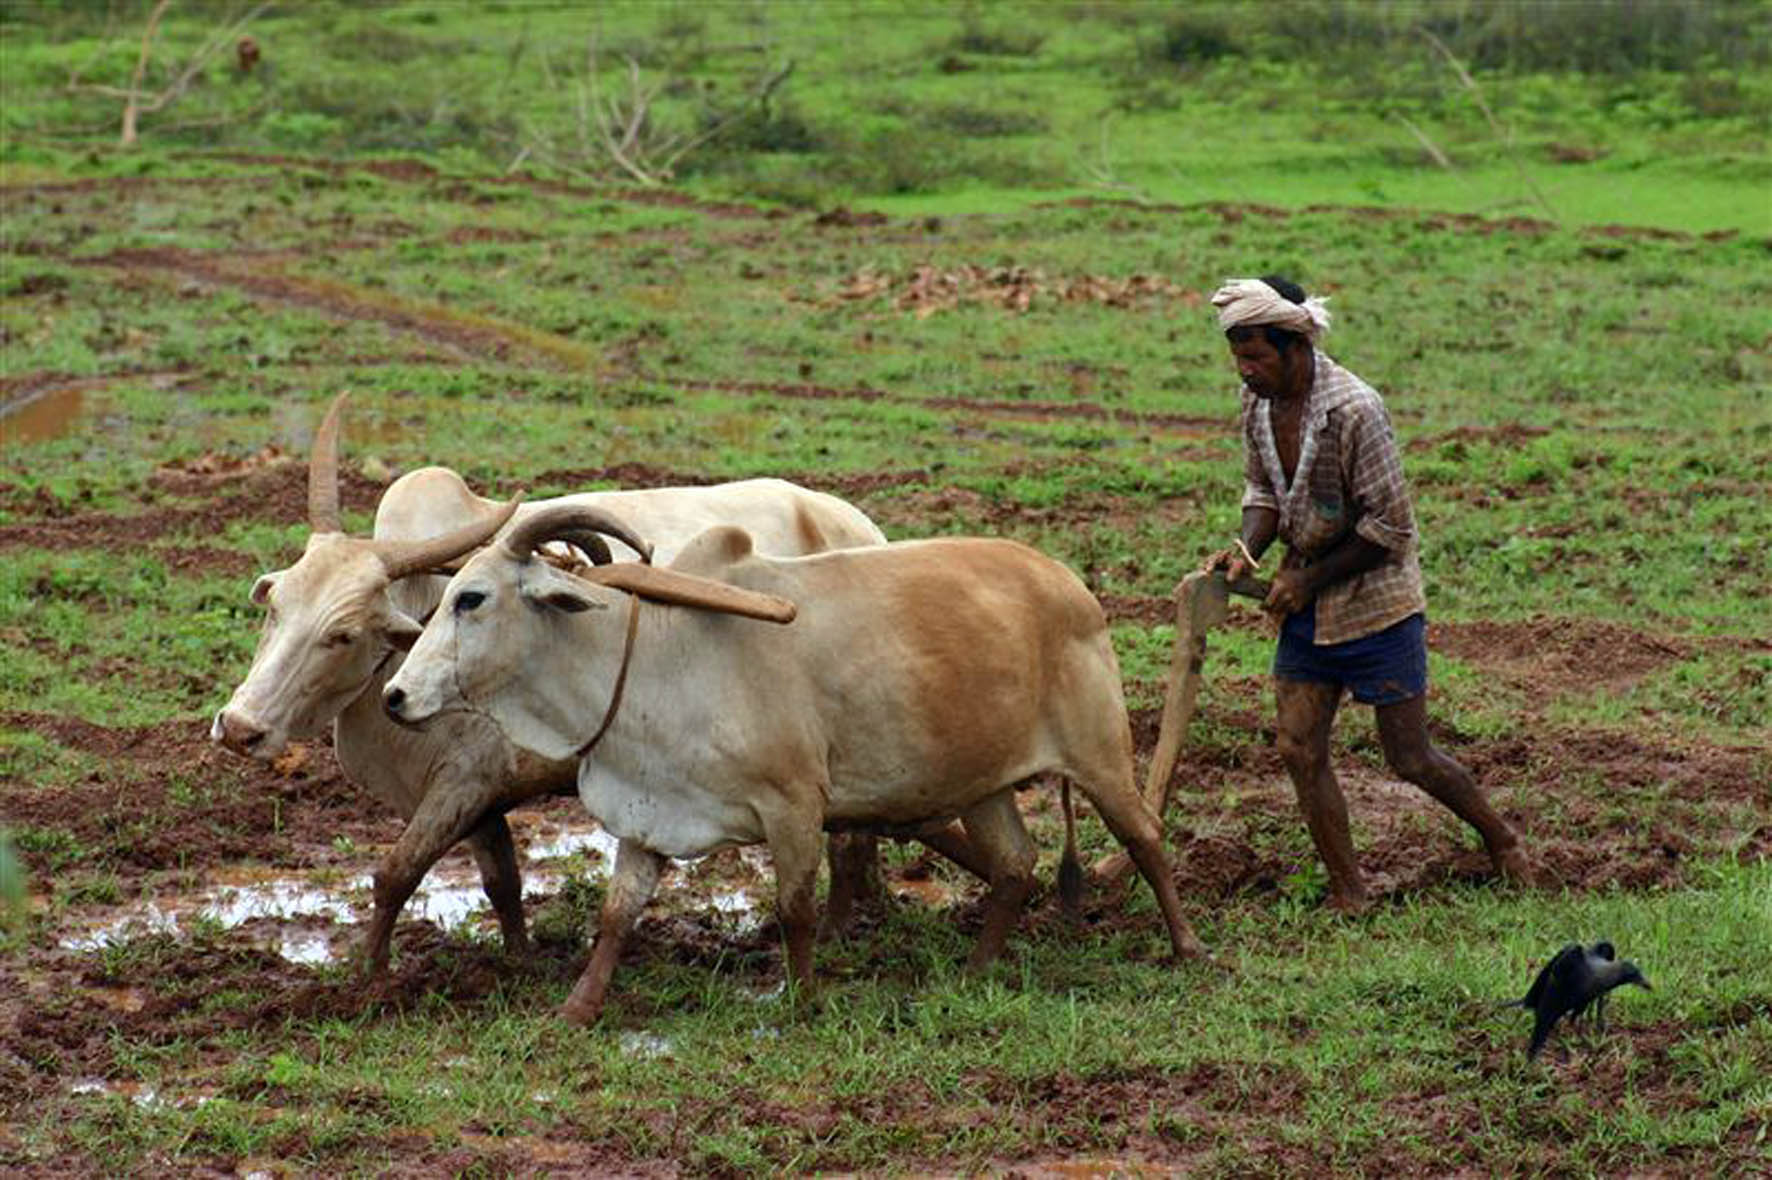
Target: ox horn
581, 524
404, 558
323, 514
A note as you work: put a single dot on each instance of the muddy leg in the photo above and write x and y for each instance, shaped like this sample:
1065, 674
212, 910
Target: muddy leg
1306, 716
631, 886
855, 877
994, 829
434, 828
1402, 729
1134, 825
793, 833
502, 879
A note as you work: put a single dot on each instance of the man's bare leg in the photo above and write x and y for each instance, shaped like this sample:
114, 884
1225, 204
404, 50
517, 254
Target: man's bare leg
1306, 717
1402, 729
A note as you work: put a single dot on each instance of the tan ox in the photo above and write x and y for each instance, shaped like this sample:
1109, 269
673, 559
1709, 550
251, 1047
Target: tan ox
338, 620
920, 681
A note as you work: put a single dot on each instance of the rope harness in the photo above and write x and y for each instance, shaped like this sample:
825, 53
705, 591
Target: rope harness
621, 678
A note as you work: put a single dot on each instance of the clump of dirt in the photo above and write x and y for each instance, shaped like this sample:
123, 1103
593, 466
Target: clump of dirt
926, 289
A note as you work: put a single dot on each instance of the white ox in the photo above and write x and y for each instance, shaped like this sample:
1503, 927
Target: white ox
339, 619
920, 681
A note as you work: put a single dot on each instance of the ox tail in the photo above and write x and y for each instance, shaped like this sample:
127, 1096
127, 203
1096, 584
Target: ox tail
1070, 869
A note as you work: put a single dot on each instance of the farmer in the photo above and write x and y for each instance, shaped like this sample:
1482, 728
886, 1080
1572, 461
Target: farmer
1322, 473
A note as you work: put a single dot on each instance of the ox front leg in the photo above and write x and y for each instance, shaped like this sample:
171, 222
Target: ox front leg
442, 819
496, 855
996, 833
631, 886
793, 833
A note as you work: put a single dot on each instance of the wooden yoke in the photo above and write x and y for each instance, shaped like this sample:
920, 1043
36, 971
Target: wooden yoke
679, 589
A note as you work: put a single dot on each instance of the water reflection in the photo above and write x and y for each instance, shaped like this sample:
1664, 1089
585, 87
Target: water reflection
317, 912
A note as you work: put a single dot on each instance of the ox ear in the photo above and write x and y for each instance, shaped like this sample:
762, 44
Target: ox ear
261, 589
402, 630
562, 598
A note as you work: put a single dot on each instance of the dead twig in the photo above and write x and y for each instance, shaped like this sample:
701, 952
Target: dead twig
132, 108
135, 102
626, 132
1503, 134
1439, 157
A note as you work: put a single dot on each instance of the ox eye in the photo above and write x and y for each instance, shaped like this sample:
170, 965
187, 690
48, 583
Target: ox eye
467, 600
340, 639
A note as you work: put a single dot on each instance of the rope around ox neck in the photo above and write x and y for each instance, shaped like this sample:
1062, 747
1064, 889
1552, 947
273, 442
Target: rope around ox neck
621, 678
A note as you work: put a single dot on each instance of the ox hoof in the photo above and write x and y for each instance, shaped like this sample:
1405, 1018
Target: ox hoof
580, 1015
1111, 871
1515, 868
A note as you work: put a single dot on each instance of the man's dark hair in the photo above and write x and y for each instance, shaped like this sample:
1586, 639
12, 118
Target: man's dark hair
1279, 339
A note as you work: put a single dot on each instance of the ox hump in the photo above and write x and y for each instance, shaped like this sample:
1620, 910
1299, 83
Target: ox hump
714, 550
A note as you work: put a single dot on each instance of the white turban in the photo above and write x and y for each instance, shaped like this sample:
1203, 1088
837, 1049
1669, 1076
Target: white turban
1251, 302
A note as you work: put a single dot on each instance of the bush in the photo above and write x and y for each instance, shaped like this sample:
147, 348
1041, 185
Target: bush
1191, 36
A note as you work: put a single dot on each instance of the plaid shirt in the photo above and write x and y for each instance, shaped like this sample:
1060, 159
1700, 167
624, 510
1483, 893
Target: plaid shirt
1349, 480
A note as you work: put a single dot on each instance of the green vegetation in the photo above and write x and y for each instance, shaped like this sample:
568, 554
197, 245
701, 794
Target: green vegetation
1606, 111
955, 270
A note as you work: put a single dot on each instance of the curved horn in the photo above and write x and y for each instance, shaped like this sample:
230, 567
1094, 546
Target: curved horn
323, 472
403, 558
569, 522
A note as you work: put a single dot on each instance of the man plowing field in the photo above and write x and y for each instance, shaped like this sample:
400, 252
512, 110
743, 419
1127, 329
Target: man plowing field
1322, 473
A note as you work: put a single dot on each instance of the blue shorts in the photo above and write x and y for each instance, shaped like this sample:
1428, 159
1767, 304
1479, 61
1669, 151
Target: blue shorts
1384, 668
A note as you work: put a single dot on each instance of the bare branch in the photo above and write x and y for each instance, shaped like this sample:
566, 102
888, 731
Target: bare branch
1439, 157
131, 108
135, 102
1502, 133
759, 98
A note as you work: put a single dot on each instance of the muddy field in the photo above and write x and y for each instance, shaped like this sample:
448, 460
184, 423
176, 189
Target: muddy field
189, 908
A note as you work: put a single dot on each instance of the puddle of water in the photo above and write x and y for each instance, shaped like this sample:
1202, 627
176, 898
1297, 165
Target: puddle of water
450, 896
646, 1046
140, 1093
740, 906
41, 417
565, 841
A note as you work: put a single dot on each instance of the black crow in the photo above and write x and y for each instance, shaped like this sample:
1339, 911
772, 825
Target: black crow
1575, 977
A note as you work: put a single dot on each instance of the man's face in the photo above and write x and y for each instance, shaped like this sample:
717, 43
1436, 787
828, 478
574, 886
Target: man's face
1266, 371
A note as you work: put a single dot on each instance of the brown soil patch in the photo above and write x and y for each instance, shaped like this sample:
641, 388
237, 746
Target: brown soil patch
926, 289
1511, 435
206, 503
1548, 658
168, 799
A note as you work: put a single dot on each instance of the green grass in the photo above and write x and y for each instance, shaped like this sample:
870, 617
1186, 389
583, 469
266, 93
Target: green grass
1342, 1015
